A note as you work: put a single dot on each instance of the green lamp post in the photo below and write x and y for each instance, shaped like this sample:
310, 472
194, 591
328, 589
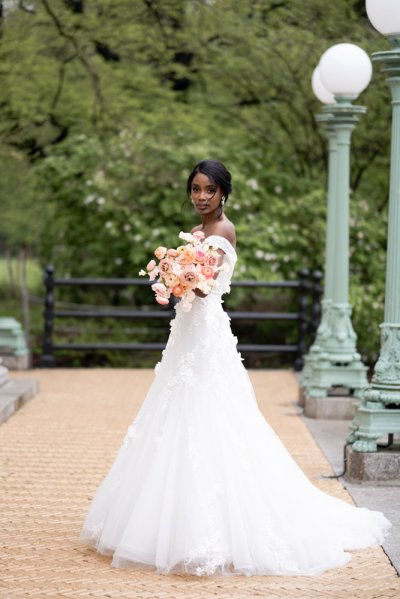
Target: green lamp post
324, 118
378, 412
345, 71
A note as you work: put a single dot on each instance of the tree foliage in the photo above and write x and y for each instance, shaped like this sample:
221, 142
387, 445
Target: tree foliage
106, 105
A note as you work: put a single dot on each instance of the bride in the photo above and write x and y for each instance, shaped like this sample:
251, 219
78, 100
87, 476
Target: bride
202, 484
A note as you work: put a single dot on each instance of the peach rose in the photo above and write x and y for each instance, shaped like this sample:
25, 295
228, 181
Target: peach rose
162, 300
207, 271
171, 280
160, 252
187, 257
189, 277
151, 265
165, 266
178, 290
172, 253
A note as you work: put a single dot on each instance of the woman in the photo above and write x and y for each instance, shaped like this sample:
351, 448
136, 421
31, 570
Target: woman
202, 484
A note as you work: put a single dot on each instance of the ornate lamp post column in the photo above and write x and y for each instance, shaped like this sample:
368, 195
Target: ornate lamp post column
324, 118
345, 71
379, 411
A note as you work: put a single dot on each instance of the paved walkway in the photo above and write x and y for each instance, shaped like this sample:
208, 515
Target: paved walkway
331, 437
54, 452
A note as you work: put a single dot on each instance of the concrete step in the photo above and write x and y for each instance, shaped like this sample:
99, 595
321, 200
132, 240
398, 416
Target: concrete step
3, 375
14, 394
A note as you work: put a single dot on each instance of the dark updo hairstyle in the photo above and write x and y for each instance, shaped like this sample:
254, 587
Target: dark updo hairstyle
216, 172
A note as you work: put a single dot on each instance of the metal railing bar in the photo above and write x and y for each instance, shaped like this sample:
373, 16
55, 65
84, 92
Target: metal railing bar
77, 281
114, 313
158, 345
267, 284
168, 314
105, 346
267, 348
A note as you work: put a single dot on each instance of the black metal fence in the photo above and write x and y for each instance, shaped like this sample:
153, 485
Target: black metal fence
307, 316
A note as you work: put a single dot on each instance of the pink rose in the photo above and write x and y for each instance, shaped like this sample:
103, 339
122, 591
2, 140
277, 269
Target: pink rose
199, 234
153, 274
160, 252
162, 300
211, 260
159, 288
207, 271
200, 255
151, 265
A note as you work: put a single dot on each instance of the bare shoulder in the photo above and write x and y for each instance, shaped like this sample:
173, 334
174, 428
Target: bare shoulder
195, 228
227, 230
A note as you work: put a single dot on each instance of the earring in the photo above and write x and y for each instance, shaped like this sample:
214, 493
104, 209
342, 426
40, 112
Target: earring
222, 200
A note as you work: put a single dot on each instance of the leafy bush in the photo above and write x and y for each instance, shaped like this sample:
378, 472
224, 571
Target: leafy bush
106, 109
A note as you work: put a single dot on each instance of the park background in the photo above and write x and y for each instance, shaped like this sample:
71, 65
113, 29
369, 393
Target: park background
107, 105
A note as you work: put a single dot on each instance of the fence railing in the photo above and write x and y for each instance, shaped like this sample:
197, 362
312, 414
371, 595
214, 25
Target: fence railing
308, 287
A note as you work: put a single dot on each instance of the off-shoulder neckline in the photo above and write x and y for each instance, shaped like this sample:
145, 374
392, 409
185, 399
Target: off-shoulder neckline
220, 236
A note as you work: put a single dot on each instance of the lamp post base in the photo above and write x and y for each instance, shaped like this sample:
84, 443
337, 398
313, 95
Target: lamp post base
372, 420
332, 407
385, 385
378, 412
326, 372
378, 468
333, 360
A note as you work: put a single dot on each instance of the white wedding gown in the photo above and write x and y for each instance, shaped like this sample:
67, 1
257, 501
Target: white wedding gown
202, 484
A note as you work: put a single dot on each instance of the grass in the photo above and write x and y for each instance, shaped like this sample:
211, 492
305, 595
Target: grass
34, 274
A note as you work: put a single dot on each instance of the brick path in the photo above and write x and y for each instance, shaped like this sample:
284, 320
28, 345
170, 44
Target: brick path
55, 451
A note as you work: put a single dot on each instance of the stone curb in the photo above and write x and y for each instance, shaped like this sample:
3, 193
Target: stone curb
14, 394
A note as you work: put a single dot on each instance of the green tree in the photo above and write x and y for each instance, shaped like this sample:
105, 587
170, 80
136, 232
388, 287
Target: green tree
105, 106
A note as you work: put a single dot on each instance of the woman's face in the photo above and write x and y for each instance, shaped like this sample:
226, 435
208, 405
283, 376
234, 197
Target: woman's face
205, 194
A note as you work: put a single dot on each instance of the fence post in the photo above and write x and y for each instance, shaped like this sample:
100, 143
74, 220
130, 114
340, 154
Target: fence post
47, 358
304, 275
316, 295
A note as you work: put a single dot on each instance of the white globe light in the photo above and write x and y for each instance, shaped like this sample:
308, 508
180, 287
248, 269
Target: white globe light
319, 90
384, 15
345, 70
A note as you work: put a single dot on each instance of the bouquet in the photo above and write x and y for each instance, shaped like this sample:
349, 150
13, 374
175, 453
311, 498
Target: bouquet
182, 270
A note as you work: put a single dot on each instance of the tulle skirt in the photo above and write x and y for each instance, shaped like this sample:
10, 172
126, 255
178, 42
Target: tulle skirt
203, 485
